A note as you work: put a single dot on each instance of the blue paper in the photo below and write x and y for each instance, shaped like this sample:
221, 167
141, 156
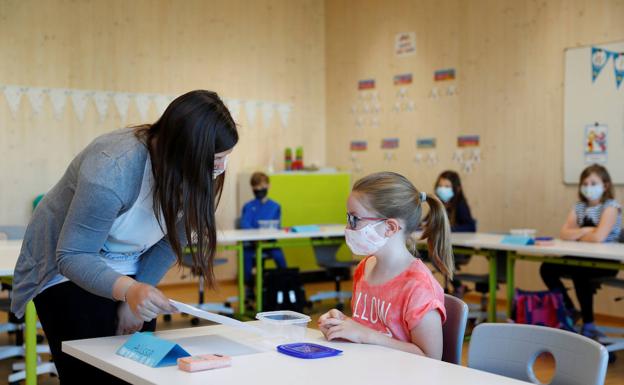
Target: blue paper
305, 229
522, 240
151, 351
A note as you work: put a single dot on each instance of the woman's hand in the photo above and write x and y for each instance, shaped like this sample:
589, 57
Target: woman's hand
127, 322
347, 329
147, 302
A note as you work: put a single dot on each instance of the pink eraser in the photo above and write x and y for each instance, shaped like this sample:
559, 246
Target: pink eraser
203, 362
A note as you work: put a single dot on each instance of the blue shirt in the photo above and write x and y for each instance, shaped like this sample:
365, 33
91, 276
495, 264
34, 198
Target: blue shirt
255, 210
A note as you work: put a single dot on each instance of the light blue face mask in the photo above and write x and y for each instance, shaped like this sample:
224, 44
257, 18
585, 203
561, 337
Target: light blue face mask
445, 193
592, 193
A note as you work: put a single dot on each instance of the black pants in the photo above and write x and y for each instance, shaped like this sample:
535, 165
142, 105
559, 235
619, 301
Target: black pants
583, 286
68, 312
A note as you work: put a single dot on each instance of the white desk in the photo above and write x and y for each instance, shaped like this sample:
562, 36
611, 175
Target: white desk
359, 364
233, 236
609, 251
9, 251
603, 255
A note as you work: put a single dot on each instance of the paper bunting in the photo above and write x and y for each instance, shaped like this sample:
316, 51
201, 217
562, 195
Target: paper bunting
599, 59
267, 113
234, 105
122, 102
13, 95
58, 99
161, 102
79, 101
618, 68
35, 96
142, 102
251, 107
101, 101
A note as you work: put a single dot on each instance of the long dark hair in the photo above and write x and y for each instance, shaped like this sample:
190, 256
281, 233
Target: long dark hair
603, 174
458, 193
182, 145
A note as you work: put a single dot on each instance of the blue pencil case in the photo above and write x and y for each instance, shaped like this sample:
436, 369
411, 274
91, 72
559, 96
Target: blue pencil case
305, 229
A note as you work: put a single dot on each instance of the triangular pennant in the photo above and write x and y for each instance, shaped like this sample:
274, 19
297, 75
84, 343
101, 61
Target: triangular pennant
142, 102
599, 59
161, 102
284, 110
35, 96
79, 101
13, 95
102, 102
268, 110
122, 102
234, 105
58, 98
251, 107
618, 67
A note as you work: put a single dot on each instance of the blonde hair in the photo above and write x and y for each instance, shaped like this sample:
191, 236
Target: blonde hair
393, 196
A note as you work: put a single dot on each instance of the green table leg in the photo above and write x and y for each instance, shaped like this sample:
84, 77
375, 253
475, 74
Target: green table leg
30, 334
259, 273
511, 285
492, 287
241, 278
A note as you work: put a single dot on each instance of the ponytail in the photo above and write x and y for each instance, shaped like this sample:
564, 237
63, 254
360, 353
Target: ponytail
437, 232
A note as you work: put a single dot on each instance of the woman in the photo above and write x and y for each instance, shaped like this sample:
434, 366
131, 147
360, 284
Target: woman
118, 219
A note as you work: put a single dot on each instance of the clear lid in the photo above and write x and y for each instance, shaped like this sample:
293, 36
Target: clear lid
283, 317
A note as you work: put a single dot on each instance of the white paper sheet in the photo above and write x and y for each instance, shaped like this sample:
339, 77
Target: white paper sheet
188, 309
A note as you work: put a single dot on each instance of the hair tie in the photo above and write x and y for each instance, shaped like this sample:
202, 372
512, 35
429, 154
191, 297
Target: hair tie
423, 196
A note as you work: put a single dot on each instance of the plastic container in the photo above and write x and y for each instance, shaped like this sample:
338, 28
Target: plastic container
545, 241
269, 224
524, 232
284, 324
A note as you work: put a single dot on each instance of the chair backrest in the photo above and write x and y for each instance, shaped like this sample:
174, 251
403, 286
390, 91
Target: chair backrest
511, 350
326, 255
453, 329
12, 232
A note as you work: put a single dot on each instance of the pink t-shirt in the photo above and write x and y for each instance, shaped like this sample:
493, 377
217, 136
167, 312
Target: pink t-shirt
397, 306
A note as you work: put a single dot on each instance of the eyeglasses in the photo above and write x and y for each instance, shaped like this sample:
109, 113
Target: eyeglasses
352, 220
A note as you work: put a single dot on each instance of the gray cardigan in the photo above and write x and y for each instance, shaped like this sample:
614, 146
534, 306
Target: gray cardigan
72, 222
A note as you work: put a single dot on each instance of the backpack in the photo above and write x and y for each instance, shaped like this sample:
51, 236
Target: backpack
283, 290
545, 308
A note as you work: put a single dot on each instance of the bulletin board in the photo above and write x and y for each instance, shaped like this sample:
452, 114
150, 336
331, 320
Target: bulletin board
594, 110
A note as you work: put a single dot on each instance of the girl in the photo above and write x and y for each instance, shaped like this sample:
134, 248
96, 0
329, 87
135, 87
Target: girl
449, 189
396, 300
105, 235
596, 217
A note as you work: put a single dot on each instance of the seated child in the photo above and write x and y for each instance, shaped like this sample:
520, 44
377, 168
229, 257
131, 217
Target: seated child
396, 300
260, 208
596, 217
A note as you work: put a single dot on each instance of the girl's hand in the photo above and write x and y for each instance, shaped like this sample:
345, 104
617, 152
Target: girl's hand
347, 329
147, 302
127, 322
332, 314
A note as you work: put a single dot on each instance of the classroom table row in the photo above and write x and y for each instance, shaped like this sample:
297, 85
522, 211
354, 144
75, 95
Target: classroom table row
490, 245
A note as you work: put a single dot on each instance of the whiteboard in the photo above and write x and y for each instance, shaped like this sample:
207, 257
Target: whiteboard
588, 102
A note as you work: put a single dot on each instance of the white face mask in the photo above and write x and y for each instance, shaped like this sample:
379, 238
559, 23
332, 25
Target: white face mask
592, 193
218, 171
365, 241
444, 193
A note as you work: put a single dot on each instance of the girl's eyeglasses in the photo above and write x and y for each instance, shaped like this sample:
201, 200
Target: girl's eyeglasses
352, 220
